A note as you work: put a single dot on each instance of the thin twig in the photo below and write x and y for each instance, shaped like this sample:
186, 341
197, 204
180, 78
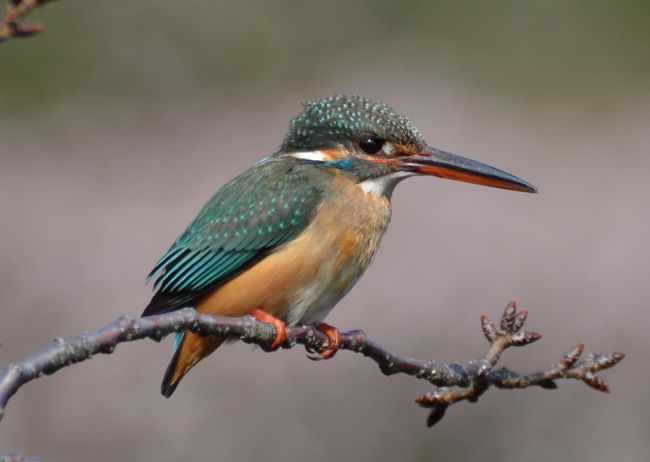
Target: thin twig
510, 335
11, 25
455, 382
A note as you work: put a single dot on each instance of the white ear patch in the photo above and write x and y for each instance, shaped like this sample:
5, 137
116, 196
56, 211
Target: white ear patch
383, 185
388, 148
317, 156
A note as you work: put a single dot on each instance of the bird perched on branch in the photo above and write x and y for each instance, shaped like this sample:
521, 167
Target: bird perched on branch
288, 238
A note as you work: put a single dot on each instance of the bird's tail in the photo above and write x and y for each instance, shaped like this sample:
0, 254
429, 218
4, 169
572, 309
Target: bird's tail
189, 349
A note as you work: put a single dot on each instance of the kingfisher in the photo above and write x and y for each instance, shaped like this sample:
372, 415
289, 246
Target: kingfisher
288, 238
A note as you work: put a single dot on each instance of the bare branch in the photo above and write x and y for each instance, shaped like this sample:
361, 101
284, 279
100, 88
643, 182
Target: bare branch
11, 25
15, 457
455, 382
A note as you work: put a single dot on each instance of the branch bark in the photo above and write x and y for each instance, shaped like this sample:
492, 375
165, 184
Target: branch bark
454, 382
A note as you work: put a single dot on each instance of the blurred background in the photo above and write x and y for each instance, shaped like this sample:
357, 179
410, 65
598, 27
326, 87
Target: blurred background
121, 120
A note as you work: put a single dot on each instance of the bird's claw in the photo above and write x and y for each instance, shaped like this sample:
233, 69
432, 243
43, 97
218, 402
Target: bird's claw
281, 331
333, 342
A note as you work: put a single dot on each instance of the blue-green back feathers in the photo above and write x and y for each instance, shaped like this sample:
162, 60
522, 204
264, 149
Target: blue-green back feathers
267, 205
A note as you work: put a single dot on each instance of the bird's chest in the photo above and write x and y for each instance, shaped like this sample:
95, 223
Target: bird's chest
340, 242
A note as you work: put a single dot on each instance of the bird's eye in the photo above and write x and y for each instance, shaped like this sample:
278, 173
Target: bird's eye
370, 144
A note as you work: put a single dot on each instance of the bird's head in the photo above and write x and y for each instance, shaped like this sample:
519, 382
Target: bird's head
378, 147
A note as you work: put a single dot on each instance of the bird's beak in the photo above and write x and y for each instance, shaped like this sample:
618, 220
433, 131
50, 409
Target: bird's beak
432, 161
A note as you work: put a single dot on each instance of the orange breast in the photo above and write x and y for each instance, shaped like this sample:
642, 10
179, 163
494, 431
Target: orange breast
304, 278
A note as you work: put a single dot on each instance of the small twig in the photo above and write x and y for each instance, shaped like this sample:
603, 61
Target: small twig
11, 25
509, 335
457, 382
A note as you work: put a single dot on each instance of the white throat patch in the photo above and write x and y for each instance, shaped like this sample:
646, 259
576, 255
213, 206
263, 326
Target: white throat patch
384, 185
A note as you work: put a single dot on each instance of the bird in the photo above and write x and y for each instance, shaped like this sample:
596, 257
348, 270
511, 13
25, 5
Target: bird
288, 238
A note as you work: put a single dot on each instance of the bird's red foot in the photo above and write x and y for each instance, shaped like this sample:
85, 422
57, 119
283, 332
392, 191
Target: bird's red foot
281, 332
334, 341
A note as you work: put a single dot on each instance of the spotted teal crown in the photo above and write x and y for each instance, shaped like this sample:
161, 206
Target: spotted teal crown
342, 118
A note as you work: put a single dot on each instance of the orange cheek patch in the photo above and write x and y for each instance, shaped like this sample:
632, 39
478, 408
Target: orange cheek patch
334, 154
405, 150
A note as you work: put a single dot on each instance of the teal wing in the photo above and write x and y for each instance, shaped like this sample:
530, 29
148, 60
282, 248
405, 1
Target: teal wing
267, 205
